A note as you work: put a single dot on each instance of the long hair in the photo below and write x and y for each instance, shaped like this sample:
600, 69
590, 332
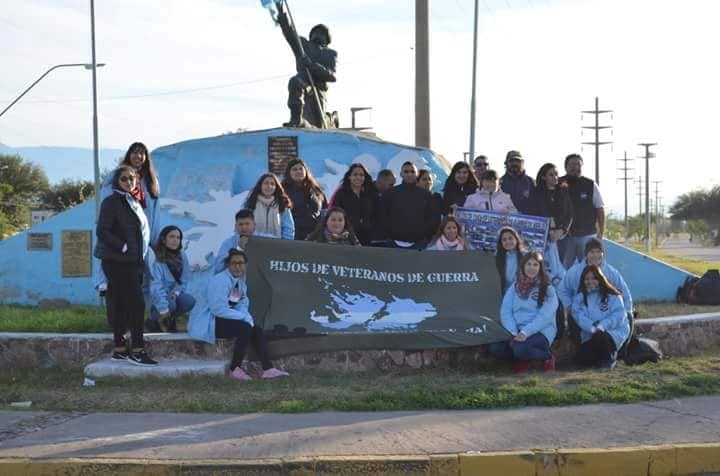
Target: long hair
281, 197
441, 230
368, 184
147, 170
322, 225
540, 179
162, 252
309, 184
501, 253
452, 185
543, 277
604, 286
118, 172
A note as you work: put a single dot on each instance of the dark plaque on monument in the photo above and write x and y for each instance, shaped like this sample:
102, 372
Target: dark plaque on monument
281, 149
39, 241
76, 247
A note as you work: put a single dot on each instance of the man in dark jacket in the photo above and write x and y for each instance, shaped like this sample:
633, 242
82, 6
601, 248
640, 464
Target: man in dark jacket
410, 219
311, 56
588, 211
516, 183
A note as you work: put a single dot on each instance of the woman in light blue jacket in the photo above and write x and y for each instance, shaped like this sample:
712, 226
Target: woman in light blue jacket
225, 315
600, 313
170, 274
528, 314
509, 252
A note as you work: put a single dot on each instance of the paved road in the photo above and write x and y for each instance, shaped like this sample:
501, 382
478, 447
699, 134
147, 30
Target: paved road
255, 436
683, 247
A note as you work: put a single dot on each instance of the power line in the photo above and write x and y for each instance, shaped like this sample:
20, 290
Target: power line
625, 178
648, 155
597, 142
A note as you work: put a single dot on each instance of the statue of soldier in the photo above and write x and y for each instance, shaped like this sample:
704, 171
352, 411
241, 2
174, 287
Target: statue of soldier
315, 64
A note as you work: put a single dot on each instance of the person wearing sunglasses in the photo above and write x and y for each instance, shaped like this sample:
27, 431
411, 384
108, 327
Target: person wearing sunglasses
123, 235
481, 164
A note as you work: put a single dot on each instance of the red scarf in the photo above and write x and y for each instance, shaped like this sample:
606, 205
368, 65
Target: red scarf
137, 192
523, 285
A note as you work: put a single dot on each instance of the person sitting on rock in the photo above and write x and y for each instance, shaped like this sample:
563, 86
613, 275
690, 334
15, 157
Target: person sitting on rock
599, 312
225, 315
528, 314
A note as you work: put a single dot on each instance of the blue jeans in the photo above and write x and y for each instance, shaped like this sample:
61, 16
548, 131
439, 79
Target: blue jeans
178, 306
574, 249
535, 347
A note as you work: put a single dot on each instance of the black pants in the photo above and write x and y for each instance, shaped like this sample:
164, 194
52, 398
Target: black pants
124, 301
243, 334
599, 348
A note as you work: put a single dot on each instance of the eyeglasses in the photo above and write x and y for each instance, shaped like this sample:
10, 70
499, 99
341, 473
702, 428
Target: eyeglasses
236, 263
127, 178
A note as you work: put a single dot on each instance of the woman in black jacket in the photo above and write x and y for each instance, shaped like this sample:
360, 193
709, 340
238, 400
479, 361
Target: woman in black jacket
307, 197
358, 196
460, 183
334, 228
123, 237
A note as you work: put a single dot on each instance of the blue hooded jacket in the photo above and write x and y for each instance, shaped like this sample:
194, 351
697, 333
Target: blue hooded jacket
163, 283
570, 285
610, 315
518, 314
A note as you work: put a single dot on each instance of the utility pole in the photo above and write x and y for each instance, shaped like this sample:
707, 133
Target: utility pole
639, 183
597, 143
648, 155
625, 169
422, 73
657, 211
474, 80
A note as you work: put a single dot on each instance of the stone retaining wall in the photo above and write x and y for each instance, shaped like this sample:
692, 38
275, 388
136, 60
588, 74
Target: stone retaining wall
678, 336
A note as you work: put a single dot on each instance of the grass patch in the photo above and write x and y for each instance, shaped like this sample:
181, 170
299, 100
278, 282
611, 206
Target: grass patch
407, 389
15, 318
668, 308
690, 265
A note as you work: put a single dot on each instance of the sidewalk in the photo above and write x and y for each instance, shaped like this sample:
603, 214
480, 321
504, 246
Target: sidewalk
677, 436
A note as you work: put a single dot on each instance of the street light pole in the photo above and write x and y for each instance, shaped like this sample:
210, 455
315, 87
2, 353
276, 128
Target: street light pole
96, 152
57, 66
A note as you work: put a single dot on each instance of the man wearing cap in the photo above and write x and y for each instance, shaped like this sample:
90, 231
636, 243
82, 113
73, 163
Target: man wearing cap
588, 211
516, 183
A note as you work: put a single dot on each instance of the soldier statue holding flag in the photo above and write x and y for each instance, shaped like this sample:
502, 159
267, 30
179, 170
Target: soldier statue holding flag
315, 64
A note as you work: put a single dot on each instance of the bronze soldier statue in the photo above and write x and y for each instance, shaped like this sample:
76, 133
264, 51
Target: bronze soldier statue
315, 64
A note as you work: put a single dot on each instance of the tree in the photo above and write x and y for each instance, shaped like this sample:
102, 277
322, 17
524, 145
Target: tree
698, 205
67, 194
21, 186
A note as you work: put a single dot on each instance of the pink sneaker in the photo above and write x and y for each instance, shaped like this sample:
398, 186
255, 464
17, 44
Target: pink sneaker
274, 373
239, 374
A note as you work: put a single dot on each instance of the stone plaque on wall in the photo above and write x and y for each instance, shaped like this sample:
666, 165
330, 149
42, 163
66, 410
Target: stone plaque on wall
39, 241
281, 149
76, 248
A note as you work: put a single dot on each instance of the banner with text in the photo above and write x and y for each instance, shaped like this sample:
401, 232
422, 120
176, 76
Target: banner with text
482, 228
312, 297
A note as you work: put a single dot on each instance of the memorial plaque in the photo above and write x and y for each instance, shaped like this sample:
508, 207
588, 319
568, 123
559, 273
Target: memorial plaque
76, 247
39, 241
280, 150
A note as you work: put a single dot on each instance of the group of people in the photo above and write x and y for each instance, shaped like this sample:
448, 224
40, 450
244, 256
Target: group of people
136, 258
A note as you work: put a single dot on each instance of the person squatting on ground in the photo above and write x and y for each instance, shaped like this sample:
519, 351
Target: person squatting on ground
509, 252
528, 314
599, 312
307, 198
225, 315
489, 197
359, 198
449, 237
244, 229
460, 183
146, 192
123, 237
169, 279
271, 208
335, 228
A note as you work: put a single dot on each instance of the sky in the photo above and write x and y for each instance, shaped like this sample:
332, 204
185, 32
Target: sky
184, 69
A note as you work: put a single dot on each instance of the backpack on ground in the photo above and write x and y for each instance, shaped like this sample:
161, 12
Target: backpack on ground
639, 350
707, 289
683, 292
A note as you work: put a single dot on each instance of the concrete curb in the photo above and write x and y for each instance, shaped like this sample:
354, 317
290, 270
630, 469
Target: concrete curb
676, 459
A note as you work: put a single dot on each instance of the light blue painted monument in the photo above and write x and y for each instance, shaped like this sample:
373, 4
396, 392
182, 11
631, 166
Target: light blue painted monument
203, 182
